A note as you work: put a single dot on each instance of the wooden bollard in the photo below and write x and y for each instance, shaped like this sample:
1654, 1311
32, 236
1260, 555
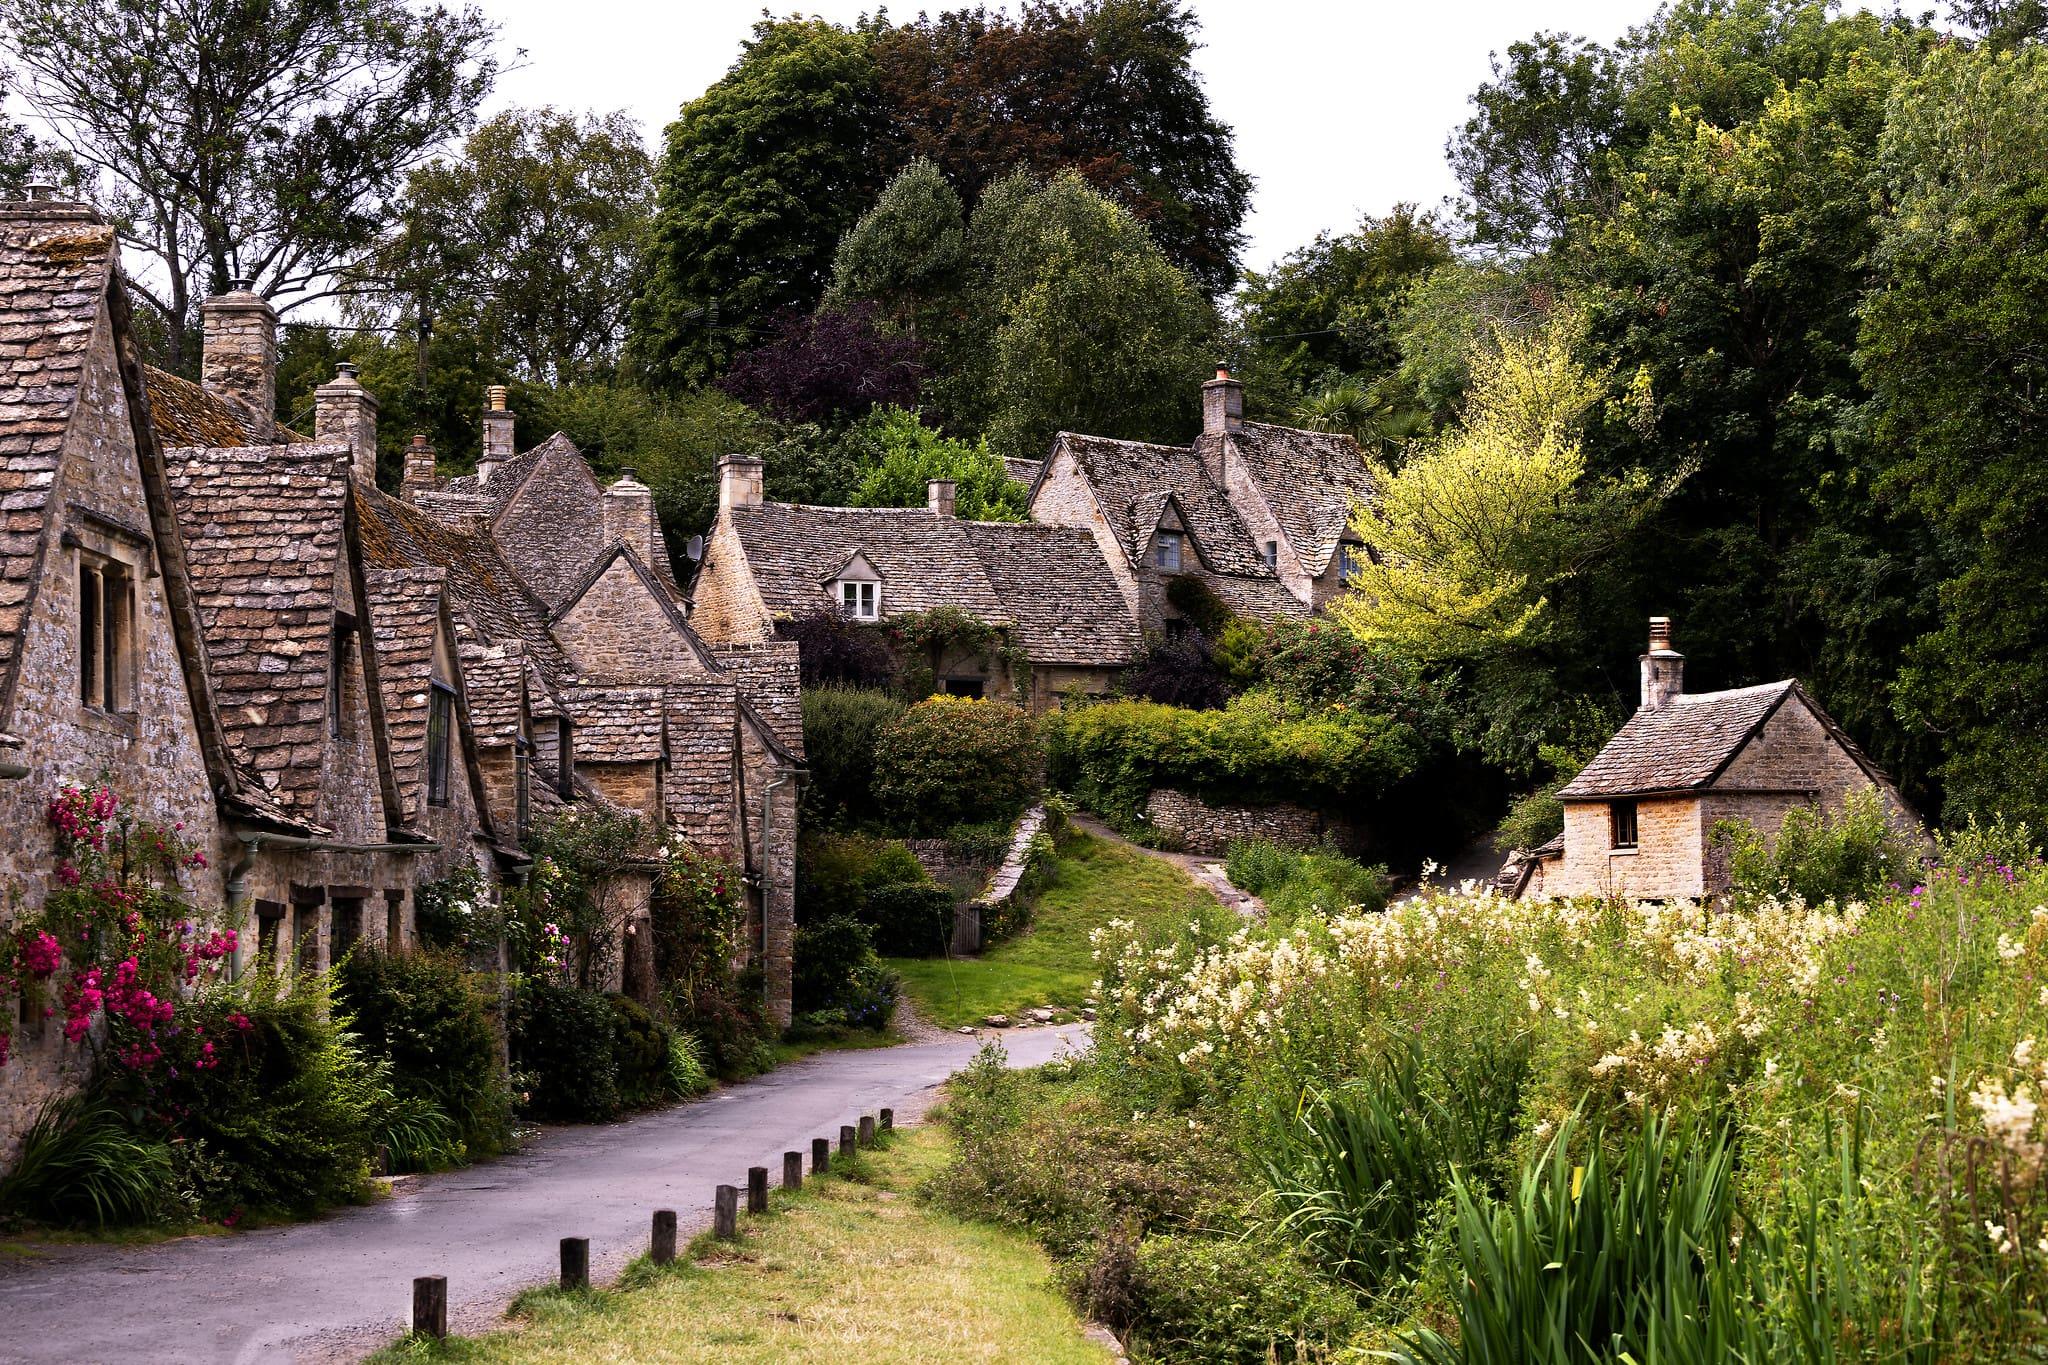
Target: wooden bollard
430, 1306
847, 1138
888, 1119
725, 1216
821, 1155
663, 1249
792, 1170
575, 1263
757, 1189
867, 1130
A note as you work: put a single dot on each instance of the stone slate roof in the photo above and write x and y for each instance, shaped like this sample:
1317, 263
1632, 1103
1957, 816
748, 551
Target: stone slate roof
405, 610
54, 268
702, 738
507, 477
924, 559
264, 536
616, 724
1022, 471
492, 675
1059, 592
1683, 746
185, 414
1310, 479
1131, 480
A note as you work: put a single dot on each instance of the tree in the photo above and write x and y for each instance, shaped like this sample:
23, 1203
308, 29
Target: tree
1955, 349
261, 142
827, 367
759, 178
2004, 23
904, 255
1107, 89
901, 455
539, 225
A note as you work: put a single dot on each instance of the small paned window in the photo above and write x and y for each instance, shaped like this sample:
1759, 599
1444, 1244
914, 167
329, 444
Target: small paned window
860, 600
1621, 824
565, 762
1166, 551
339, 645
1272, 554
106, 633
344, 927
440, 728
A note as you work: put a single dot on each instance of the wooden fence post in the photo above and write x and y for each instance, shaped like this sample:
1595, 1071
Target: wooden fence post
888, 1119
847, 1139
792, 1170
664, 1248
575, 1263
867, 1130
430, 1306
725, 1224
821, 1155
757, 1189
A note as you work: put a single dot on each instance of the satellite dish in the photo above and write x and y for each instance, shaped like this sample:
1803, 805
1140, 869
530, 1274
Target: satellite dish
695, 549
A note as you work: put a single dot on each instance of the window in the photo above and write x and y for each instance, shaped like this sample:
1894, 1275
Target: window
963, 687
1347, 560
860, 600
344, 927
1621, 824
565, 762
394, 920
1176, 628
339, 645
440, 724
106, 616
1272, 554
1166, 551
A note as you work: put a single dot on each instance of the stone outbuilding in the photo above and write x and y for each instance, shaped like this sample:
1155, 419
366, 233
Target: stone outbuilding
1639, 819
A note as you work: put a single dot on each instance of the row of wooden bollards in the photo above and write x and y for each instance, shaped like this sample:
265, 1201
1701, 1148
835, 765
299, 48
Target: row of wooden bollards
430, 1292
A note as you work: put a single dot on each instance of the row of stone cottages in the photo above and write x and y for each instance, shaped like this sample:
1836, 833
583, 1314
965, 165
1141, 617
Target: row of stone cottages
339, 694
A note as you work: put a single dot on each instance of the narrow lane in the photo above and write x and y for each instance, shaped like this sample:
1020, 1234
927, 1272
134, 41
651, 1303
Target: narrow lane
337, 1288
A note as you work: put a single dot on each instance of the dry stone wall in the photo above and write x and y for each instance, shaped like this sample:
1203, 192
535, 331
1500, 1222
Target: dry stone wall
1199, 827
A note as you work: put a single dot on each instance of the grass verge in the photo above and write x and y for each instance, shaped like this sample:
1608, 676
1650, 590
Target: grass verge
1092, 882
851, 1268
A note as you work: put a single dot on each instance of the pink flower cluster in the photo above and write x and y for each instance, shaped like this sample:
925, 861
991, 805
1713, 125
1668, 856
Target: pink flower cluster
125, 998
80, 816
41, 954
214, 947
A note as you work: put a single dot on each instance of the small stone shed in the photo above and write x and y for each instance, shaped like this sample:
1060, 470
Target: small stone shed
1639, 819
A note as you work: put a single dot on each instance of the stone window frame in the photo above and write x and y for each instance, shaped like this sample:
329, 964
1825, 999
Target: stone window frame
1624, 830
440, 755
1164, 541
1272, 554
105, 636
340, 656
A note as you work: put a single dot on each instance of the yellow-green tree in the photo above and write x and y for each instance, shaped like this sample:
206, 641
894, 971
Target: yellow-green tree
1476, 530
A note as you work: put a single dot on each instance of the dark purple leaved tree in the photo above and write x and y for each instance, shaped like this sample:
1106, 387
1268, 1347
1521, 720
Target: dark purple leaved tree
829, 366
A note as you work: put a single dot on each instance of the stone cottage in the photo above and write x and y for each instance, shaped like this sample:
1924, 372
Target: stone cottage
1259, 514
1053, 600
1639, 819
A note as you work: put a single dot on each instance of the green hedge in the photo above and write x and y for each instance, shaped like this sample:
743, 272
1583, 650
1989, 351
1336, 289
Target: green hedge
563, 1051
910, 919
421, 1012
1258, 749
956, 761
841, 726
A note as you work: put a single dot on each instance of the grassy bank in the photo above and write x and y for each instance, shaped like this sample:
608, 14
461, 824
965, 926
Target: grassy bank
849, 1269
1050, 963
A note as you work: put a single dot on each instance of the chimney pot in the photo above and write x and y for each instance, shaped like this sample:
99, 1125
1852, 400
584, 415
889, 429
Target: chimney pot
1663, 667
941, 496
497, 434
241, 286
346, 370
41, 192
497, 396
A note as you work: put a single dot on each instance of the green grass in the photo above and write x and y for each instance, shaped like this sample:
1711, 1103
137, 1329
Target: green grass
1092, 882
849, 1269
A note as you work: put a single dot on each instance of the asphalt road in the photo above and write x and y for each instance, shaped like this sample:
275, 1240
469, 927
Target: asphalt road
340, 1287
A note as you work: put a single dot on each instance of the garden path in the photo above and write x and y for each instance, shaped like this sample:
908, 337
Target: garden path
337, 1288
1207, 872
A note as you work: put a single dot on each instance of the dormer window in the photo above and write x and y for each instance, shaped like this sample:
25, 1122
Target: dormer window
440, 741
1272, 554
860, 599
1166, 551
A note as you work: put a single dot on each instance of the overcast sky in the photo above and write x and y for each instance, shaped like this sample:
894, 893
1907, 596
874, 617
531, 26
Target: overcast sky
1341, 107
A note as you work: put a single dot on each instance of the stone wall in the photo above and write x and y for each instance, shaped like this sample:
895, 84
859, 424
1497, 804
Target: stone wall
1201, 828
618, 631
1064, 498
725, 605
1667, 861
551, 531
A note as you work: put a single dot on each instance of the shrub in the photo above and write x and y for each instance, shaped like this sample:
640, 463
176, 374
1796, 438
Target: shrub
640, 1053
686, 1073
564, 1059
1198, 602
839, 980
1178, 672
833, 651
1196, 1297
456, 911
835, 872
956, 760
725, 1018
841, 726
1294, 884
421, 1013
81, 1165
910, 919
1820, 855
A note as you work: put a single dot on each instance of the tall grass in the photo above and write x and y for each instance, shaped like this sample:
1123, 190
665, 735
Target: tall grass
1297, 884
80, 1165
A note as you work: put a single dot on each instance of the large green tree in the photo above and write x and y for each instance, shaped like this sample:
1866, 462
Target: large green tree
236, 140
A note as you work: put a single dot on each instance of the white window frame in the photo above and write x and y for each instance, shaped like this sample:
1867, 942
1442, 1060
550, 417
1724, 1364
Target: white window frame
1162, 543
860, 599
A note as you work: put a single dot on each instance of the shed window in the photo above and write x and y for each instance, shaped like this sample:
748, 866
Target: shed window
440, 725
106, 630
1166, 551
1621, 824
860, 599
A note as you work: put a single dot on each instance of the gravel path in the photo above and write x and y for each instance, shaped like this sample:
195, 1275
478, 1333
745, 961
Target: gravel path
338, 1288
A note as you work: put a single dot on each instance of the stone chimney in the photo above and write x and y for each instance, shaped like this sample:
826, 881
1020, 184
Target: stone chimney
940, 495
1663, 667
419, 470
238, 359
739, 481
497, 434
1222, 403
346, 413
629, 516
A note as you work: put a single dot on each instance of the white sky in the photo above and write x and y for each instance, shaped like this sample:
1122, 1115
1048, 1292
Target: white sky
1341, 107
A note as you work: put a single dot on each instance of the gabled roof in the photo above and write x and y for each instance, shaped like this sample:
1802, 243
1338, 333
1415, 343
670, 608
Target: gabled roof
1021, 470
702, 735
187, 415
506, 479
1310, 479
1681, 746
1055, 586
770, 678
408, 610
924, 558
495, 676
663, 595
1131, 479
616, 724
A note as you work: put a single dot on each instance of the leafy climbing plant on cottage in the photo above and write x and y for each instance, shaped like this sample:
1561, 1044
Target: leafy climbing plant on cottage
116, 939
568, 917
